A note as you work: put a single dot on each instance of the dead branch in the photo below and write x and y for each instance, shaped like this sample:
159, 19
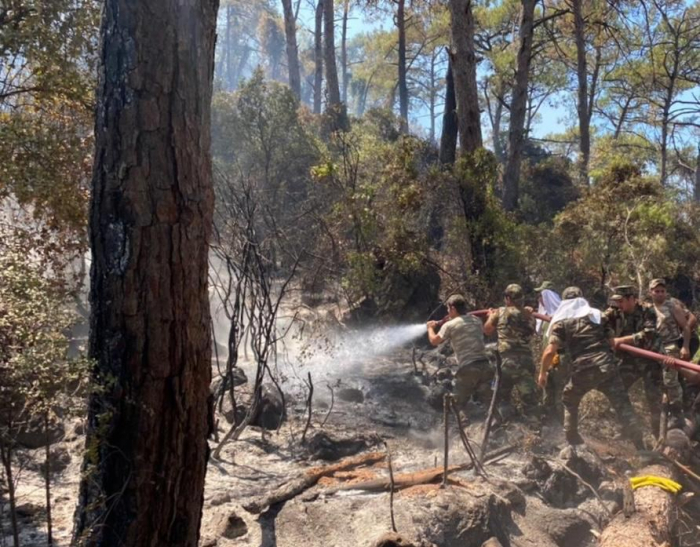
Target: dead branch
492, 407
446, 421
391, 487
587, 485
298, 485
467, 445
309, 403
406, 480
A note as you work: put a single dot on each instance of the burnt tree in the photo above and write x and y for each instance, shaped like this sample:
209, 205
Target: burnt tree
334, 107
150, 223
400, 20
518, 107
448, 139
290, 31
318, 58
463, 59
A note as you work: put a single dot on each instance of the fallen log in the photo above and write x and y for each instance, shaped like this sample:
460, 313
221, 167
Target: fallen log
653, 521
296, 486
406, 480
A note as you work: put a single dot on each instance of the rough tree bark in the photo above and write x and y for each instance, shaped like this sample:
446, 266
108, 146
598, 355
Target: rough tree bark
403, 84
584, 118
335, 106
318, 58
290, 31
150, 222
518, 107
652, 522
463, 57
448, 139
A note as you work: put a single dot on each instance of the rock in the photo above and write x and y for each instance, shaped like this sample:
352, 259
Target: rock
560, 488
436, 394
33, 435
271, 410
537, 469
220, 499
568, 528
351, 395
392, 539
322, 446
228, 413
583, 462
60, 459
493, 542
444, 374
29, 510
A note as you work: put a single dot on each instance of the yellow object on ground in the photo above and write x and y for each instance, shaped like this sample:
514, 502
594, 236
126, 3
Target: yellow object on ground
660, 482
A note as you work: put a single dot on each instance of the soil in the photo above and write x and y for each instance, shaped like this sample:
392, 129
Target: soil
527, 498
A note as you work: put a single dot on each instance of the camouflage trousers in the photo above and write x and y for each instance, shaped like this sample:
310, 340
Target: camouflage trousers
518, 380
606, 379
631, 370
557, 378
672, 385
473, 379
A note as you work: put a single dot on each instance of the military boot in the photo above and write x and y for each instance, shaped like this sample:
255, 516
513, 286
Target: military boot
571, 427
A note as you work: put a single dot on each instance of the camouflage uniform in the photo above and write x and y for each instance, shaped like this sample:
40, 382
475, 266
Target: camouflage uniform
557, 378
670, 334
593, 367
641, 324
515, 328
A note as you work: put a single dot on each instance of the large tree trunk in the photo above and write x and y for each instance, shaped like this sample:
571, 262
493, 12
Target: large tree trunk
518, 108
652, 522
228, 44
290, 31
150, 222
403, 84
448, 139
582, 103
463, 57
318, 58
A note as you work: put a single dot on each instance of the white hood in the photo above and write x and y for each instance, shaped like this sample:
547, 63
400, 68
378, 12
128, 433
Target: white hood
549, 305
576, 308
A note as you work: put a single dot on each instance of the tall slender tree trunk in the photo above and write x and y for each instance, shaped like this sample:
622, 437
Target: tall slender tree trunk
448, 139
518, 108
496, 138
6, 457
432, 96
584, 119
329, 56
463, 58
344, 51
150, 222
290, 31
403, 84
318, 58
229, 79
47, 481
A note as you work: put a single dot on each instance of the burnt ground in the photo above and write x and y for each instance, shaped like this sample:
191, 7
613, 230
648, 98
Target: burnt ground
527, 498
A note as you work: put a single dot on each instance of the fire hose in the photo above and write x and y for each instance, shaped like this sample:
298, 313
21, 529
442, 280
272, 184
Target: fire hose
637, 352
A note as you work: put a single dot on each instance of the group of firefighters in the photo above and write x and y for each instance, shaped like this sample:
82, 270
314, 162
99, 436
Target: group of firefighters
581, 353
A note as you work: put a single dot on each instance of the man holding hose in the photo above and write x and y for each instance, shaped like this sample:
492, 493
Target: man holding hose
588, 339
465, 334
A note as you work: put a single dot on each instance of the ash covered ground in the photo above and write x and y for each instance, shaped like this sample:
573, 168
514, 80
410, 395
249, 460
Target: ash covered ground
376, 395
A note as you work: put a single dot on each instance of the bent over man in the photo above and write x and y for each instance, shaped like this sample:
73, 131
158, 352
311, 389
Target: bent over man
465, 334
585, 334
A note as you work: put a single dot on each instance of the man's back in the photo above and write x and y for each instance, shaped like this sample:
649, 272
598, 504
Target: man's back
466, 337
585, 341
515, 328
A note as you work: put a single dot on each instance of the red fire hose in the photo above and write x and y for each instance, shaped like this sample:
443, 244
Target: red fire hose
646, 354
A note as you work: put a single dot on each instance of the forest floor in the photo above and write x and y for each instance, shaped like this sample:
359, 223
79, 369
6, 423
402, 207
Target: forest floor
528, 497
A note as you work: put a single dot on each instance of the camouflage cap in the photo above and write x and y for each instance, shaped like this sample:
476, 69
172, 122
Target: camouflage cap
656, 282
571, 293
545, 285
514, 290
624, 291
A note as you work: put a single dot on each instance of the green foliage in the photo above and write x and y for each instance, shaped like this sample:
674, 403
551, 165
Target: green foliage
35, 319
